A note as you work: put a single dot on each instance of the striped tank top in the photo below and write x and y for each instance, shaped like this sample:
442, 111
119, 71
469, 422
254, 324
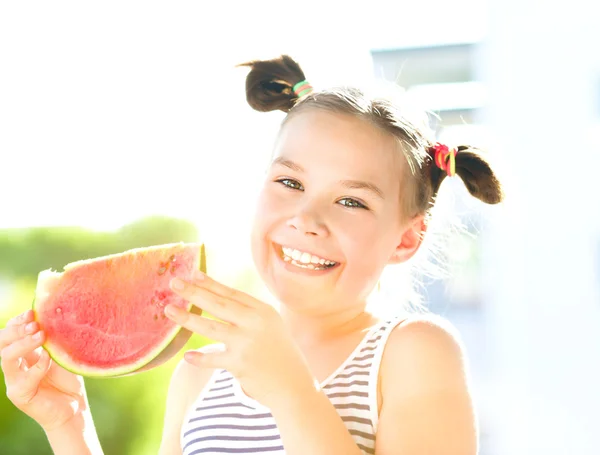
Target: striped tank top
224, 420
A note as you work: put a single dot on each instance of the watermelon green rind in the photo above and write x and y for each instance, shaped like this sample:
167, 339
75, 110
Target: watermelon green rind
171, 344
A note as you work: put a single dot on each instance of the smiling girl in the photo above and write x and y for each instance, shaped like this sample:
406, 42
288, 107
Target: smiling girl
348, 192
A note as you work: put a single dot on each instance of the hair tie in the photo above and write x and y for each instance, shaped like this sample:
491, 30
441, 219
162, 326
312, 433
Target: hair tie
444, 158
302, 88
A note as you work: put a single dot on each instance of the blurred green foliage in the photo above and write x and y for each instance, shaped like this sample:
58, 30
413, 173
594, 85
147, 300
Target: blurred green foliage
25, 252
128, 412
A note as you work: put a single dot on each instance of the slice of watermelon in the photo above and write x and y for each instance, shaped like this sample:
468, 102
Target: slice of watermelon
104, 317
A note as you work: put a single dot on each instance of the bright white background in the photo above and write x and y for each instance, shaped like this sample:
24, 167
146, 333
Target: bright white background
114, 110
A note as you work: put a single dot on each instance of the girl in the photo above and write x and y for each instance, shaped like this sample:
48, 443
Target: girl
348, 192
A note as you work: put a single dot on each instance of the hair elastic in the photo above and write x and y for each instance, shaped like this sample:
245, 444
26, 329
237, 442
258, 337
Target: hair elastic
444, 158
302, 88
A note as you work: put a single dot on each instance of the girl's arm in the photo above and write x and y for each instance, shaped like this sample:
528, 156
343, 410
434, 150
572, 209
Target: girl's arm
309, 423
76, 437
426, 402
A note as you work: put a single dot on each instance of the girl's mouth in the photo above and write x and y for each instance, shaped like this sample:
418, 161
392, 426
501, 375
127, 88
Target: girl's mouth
305, 260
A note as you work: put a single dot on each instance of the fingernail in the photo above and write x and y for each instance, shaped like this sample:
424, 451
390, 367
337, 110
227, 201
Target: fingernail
30, 328
37, 336
178, 284
171, 310
192, 356
198, 275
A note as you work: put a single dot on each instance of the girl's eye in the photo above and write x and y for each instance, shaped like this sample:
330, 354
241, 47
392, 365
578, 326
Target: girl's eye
291, 183
352, 203
346, 202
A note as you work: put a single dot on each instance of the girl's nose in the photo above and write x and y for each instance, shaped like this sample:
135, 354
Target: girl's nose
308, 224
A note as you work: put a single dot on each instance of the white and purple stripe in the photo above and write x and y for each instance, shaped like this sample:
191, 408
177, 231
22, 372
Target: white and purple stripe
224, 420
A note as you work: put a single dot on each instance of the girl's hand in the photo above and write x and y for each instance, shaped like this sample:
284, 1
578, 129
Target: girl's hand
258, 350
36, 385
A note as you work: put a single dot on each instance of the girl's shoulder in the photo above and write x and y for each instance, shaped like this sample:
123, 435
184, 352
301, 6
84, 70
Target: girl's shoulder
424, 389
423, 338
424, 352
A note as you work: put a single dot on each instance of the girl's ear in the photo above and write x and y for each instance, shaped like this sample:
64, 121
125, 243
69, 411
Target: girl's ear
410, 240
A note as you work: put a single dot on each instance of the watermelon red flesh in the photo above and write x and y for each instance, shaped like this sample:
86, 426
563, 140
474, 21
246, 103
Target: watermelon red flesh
105, 316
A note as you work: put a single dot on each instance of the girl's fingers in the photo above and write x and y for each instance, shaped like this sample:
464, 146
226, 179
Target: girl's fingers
37, 371
16, 328
204, 281
26, 316
210, 328
31, 358
12, 354
208, 359
21, 391
216, 305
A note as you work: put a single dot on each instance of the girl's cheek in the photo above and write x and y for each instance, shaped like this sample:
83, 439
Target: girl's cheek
276, 202
271, 210
265, 200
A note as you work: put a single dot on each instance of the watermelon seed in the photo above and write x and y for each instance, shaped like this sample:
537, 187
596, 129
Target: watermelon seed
162, 315
172, 258
155, 317
162, 270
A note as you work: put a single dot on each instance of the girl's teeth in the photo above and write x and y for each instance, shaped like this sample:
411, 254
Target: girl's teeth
306, 266
301, 258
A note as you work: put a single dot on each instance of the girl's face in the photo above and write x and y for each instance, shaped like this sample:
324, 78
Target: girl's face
328, 218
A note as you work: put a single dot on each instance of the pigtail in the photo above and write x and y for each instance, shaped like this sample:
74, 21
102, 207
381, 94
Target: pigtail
472, 167
477, 175
270, 83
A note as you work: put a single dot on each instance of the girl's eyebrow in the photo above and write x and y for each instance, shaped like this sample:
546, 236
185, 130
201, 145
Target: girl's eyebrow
350, 184
360, 185
288, 163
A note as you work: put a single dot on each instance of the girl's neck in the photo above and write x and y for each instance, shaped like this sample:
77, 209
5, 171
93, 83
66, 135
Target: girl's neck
311, 329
